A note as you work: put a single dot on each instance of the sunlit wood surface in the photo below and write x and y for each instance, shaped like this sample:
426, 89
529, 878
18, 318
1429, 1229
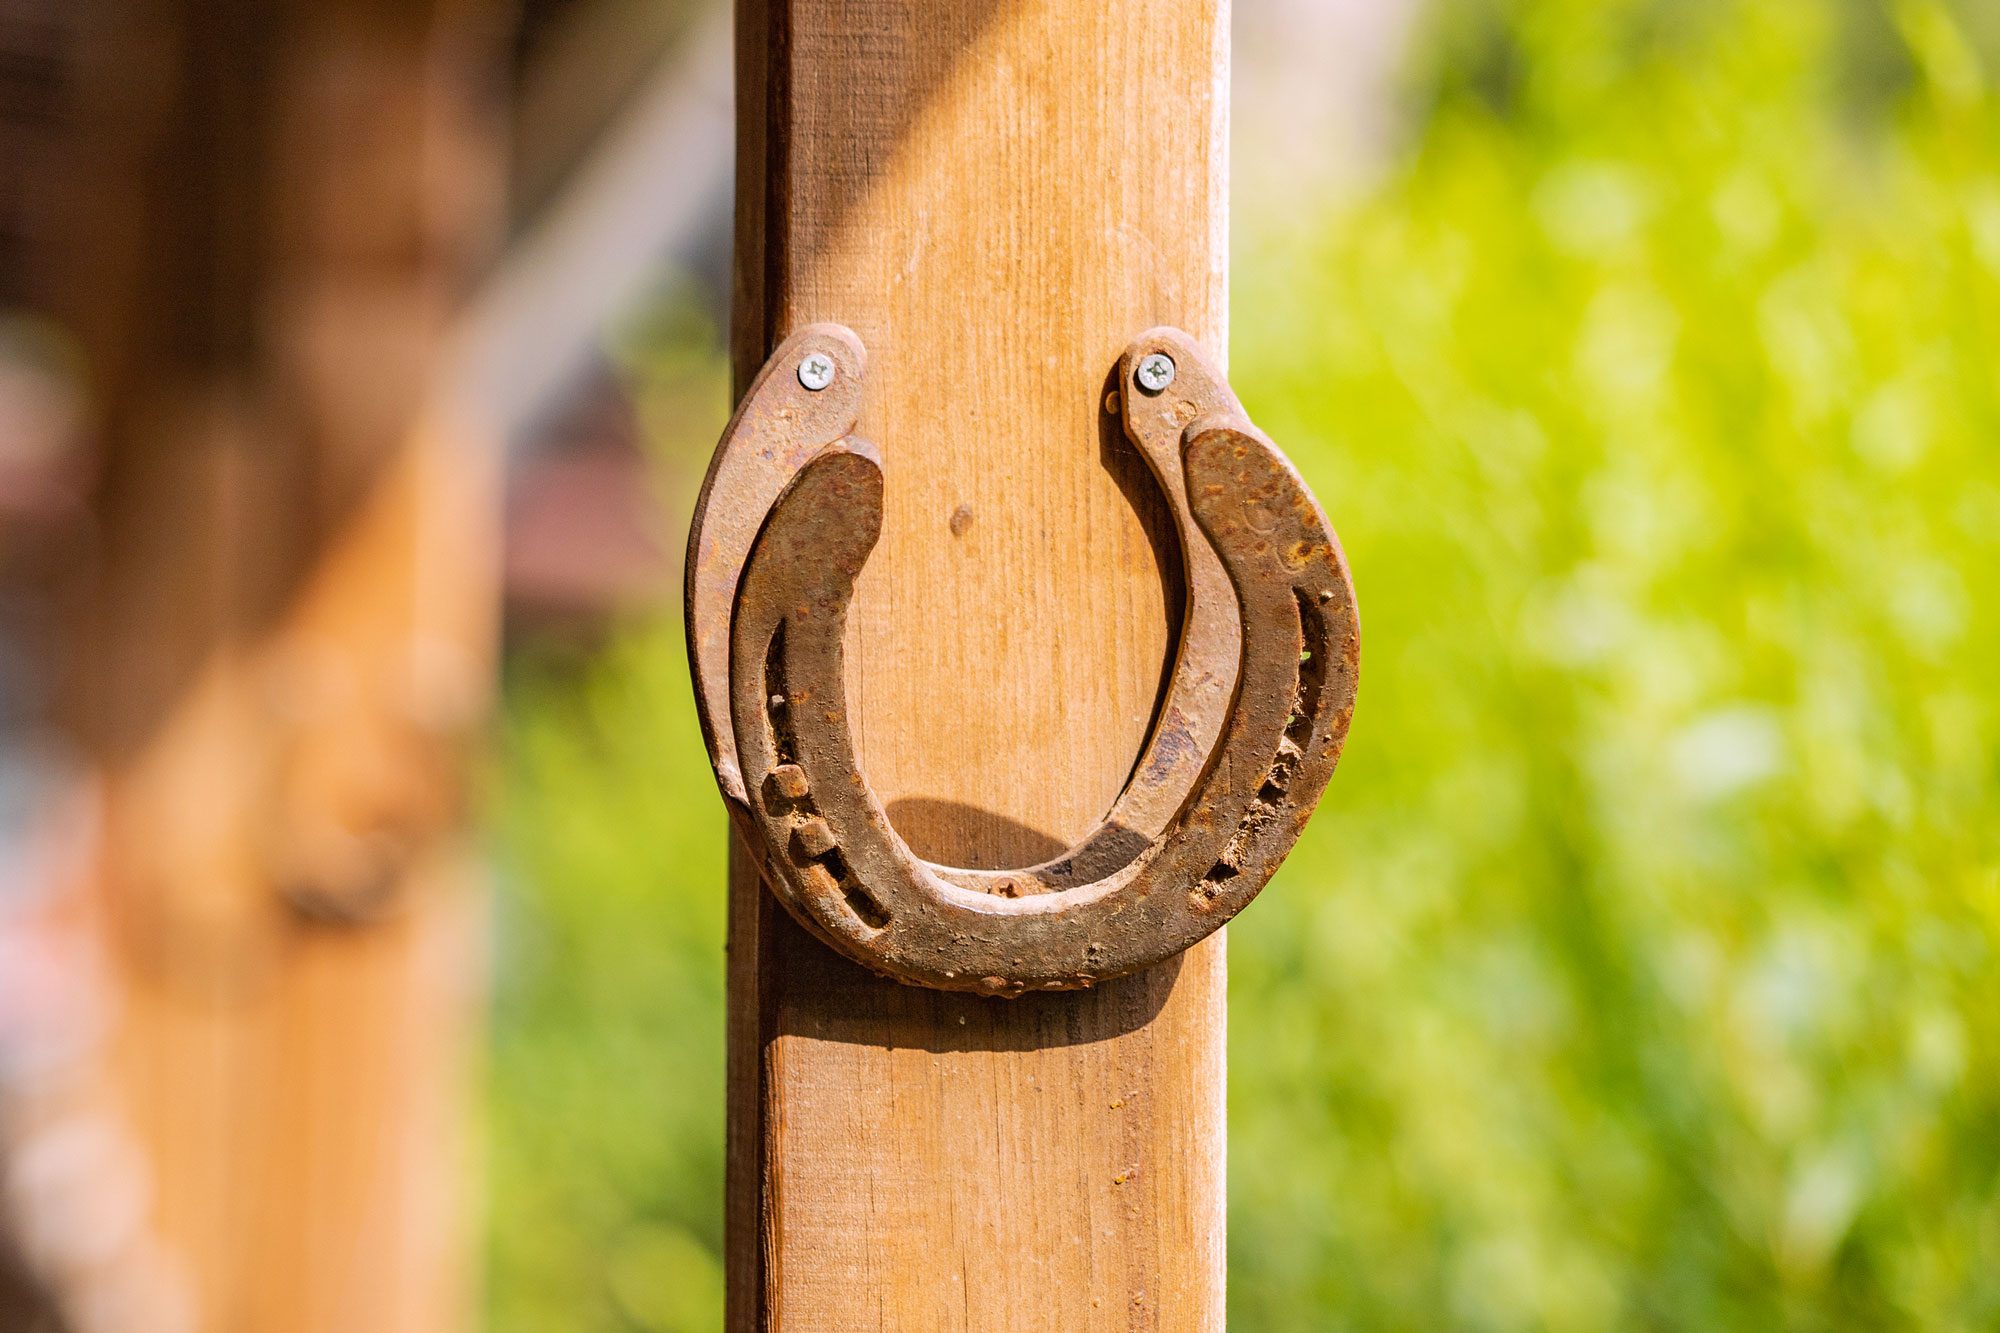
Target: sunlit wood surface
997, 197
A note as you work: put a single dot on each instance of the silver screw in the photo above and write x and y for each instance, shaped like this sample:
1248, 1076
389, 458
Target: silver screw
816, 371
1156, 372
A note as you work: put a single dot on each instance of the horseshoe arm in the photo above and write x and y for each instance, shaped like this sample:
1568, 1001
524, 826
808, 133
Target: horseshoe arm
778, 426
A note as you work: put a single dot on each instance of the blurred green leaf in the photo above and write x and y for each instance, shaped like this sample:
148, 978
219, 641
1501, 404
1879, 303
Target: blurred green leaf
1639, 970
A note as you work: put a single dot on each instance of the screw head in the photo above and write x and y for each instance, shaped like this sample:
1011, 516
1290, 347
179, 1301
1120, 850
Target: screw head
1156, 372
816, 371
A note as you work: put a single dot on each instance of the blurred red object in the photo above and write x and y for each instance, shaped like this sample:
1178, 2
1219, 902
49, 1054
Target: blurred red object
585, 538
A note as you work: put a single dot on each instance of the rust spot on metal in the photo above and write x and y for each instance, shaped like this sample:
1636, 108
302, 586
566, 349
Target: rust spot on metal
788, 782
813, 837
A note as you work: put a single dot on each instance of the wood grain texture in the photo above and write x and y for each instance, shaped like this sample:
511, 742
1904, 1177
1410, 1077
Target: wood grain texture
996, 197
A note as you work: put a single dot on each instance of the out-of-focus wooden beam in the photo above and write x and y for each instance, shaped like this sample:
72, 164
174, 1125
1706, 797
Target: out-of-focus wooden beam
643, 192
579, 65
268, 216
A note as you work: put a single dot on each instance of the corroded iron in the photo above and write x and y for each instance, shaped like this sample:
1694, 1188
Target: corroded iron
1246, 739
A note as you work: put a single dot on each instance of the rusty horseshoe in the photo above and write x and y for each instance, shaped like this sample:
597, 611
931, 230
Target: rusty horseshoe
1246, 738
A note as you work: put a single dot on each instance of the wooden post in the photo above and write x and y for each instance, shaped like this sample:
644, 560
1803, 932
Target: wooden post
271, 213
996, 195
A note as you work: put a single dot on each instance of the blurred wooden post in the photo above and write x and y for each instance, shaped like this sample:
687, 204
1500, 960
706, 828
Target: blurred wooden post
269, 214
975, 185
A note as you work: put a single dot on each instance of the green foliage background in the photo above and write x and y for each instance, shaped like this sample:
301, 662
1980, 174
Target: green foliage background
1639, 971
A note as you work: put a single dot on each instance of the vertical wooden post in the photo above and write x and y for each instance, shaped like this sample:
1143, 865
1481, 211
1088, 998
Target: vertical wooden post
996, 195
272, 211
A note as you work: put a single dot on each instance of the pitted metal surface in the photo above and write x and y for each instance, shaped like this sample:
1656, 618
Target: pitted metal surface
1246, 738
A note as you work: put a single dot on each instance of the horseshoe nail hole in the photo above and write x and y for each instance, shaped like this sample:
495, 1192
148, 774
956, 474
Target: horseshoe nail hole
1202, 896
1282, 771
1312, 666
863, 906
859, 900
784, 741
831, 871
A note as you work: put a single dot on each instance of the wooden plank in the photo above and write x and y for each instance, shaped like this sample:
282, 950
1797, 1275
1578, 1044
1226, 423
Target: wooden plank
997, 197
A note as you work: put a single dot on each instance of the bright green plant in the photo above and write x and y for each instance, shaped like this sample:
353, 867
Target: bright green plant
605, 1097
1640, 970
